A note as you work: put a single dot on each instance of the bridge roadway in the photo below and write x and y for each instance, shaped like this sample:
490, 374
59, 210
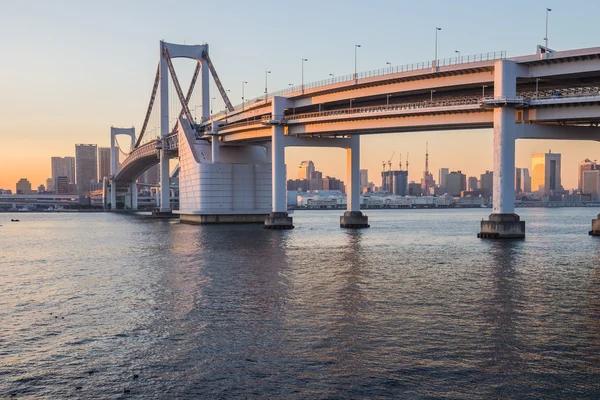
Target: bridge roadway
547, 96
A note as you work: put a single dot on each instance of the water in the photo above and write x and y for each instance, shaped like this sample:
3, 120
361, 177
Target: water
116, 306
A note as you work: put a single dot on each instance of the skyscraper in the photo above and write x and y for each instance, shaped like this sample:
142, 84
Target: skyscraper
591, 182
518, 180
546, 172
487, 183
442, 177
62, 166
23, 186
526, 180
306, 170
364, 178
456, 182
585, 165
103, 162
86, 166
472, 183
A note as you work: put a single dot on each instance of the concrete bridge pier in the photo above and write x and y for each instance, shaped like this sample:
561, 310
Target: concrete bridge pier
278, 219
595, 226
113, 195
503, 222
134, 195
353, 217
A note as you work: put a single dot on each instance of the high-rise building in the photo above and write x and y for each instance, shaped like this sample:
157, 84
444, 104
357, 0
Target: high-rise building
399, 183
591, 182
442, 177
103, 162
456, 182
86, 166
487, 183
150, 175
585, 165
41, 189
526, 180
63, 186
49, 184
23, 186
546, 172
518, 180
472, 183
330, 183
364, 178
316, 180
62, 166
306, 170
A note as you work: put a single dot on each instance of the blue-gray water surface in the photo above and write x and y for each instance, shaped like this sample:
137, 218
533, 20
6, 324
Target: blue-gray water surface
108, 306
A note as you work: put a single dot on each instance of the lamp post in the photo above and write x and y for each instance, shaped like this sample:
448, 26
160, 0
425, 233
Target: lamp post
483, 91
356, 46
266, 73
436, 31
432, 91
458, 56
212, 102
388, 99
389, 64
537, 82
546, 38
243, 101
302, 86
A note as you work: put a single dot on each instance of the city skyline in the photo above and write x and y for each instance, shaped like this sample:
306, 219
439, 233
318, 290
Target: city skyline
75, 38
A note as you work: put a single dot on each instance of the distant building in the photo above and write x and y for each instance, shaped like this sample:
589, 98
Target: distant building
103, 162
472, 183
86, 166
546, 173
414, 189
456, 182
591, 182
23, 187
150, 176
306, 170
487, 183
41, 189
585, 165
316, 181
364, 178
63, 186
62, 166
299, 185
518, 180
442, 177
526, 180
49, 184
330, 183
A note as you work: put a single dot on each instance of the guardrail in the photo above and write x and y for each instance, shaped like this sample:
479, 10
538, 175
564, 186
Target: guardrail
496, 55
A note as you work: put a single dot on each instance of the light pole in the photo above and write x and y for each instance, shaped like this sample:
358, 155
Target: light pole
388, 99
356, 46
483, 91
546, 38
266, 72
332, 77
304, 59
436, 31
212, 99
431, 98
243, 101
389, 64
537, 81
458, 56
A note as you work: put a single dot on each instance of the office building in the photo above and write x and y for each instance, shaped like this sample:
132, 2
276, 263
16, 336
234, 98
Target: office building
86, 166
456, 182
585, 165
23, 187
487, 183
526, 180
590, 183
306, 170
472, 183
443, 173
62, 166
546, 173
316, 180
330, 183
103, 162
364, 178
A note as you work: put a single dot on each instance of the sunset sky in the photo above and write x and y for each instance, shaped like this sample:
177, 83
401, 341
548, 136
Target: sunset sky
71, 69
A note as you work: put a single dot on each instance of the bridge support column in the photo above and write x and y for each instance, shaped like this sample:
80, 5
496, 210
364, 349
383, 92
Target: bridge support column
503, 222
134, 195
113, 195
353, 217
215, 147
279, 218
595, 226
165, 198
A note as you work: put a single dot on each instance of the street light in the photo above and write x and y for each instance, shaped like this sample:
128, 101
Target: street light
389, 66
266, 72
546, 38
211, 104
388, 99
458, 55
356, 46
483, 91
436, 31
432, 91
537, 82
243, 103
304, 59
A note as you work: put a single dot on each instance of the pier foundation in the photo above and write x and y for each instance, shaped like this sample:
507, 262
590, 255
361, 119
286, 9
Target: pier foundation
354, 219
595, 226
502, 226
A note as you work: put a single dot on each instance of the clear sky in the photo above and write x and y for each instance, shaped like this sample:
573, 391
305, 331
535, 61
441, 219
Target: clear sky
71, 69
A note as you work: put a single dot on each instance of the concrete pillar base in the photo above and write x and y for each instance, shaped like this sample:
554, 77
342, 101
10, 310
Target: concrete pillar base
595, 226
157, 213
502, 226
278, 220
354, 219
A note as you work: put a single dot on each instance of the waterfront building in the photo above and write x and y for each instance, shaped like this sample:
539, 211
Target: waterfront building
473, 183
456, 182
86, 166
443, 173
62, 166
591, 182
585, 165
306, 170
546, 173
23, 186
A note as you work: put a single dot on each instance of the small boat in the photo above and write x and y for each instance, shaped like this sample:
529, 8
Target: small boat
14, 220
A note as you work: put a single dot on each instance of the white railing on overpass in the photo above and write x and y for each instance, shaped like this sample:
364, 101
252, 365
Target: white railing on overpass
496, 55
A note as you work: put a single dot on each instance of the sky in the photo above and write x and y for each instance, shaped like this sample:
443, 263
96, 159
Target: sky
72, 69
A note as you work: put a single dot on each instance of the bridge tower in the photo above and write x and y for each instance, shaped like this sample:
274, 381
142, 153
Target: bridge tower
114, 163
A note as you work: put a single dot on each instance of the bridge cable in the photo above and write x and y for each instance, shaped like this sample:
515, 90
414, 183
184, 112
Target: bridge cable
149, 110
182, 99
189, 94
213, 71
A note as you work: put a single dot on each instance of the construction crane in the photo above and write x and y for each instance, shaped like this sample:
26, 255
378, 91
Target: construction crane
389, 163
400, 163
407, 161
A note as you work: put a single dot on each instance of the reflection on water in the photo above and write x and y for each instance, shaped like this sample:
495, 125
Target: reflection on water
112, 306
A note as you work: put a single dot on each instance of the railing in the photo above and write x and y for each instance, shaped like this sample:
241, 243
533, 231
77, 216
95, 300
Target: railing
496, 55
